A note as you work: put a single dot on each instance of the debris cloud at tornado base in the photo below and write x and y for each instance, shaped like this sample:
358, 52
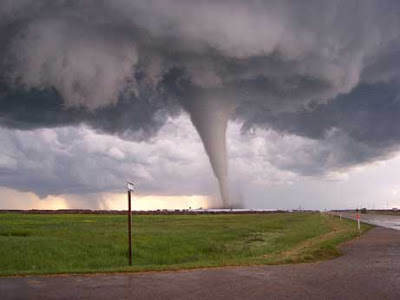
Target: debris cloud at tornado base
124, 66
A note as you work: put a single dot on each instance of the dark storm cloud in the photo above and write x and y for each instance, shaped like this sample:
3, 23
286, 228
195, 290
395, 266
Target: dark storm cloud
369, 114
367, 120
275, 54
326, 70
132, 118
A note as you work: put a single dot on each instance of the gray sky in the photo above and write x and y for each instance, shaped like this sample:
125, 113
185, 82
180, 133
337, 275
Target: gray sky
93, 93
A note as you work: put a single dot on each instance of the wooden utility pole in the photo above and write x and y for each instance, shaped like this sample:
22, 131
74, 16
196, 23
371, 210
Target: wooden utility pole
130, 189
130, 227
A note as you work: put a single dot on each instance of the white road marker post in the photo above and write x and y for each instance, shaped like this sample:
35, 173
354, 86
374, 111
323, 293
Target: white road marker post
358, 221
340, 217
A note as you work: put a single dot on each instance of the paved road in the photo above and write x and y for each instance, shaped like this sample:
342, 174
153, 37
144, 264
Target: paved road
370, 269
387, 221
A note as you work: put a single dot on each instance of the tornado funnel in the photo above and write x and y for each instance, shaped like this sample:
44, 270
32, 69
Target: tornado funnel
210, 118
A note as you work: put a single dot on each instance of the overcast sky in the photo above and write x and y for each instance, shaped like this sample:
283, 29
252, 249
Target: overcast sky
93, 93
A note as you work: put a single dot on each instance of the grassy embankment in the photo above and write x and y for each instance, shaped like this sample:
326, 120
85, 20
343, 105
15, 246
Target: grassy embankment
44, 244
385, 212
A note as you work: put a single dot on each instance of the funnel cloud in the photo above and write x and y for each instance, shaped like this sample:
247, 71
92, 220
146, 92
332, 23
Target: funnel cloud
210, 117
325, 71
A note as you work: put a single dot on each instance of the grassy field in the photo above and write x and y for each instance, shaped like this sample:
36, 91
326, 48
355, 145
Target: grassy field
37, 244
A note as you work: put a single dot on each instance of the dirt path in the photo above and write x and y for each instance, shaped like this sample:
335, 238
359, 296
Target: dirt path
370, 269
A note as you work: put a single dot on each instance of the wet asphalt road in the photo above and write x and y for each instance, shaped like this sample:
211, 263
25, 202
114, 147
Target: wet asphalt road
387, 221
370, 269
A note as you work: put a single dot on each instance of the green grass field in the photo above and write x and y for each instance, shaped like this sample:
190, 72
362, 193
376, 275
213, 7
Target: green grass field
38, 244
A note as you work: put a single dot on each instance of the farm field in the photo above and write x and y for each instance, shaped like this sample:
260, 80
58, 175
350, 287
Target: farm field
49, 244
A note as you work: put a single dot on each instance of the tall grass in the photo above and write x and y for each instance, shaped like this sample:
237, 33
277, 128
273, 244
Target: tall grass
95, 243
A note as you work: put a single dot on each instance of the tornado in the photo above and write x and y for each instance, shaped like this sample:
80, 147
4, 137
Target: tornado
210, 117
